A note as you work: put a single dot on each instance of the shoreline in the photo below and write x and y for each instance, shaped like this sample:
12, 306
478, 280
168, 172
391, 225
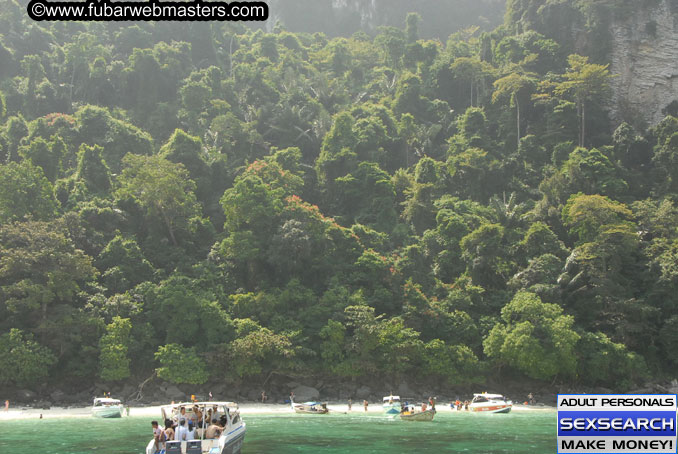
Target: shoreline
245, 409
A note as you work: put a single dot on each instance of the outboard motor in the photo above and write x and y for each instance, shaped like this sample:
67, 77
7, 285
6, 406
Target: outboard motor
194, 447
173, 447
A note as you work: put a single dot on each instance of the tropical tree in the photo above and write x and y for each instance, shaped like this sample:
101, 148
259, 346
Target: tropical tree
24, 192
25, 362
114, 362
585, 82
535, 338
514, 86
163, 190
180, 365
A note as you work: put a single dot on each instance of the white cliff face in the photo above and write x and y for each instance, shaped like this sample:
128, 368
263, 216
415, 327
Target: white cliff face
644, 61
366, 9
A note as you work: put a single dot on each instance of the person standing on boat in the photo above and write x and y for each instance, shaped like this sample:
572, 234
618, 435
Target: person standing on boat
196, 416
180, 415
432, 403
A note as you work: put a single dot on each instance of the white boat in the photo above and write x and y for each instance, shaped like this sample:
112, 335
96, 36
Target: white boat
310, 408
227, 413
490, 403
105, 407
392, 405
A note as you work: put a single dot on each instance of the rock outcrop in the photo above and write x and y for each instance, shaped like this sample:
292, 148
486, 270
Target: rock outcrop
644, 60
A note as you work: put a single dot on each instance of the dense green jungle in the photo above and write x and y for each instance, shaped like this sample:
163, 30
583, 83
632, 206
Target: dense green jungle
244, 203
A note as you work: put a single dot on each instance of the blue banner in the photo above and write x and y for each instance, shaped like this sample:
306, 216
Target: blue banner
616, 423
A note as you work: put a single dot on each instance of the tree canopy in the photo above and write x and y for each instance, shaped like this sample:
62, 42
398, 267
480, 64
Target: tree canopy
213, 201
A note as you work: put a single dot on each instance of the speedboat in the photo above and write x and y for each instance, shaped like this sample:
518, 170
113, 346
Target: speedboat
411, 414
226, 413
490, 403
105, 407
392, 405
310, 408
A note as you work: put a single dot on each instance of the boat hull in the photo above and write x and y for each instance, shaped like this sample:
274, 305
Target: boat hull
310, 408
301, 411
108, 412
231, 445
392, 409
496, 408
234, 445
419, 416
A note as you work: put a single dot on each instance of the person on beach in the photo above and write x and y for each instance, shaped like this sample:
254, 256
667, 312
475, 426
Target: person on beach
466, 405
264, 397
530, 399
350, 404
292, 397
7, 405
365, 404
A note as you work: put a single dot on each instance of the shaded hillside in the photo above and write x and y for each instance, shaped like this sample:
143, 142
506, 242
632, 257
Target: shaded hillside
212, 202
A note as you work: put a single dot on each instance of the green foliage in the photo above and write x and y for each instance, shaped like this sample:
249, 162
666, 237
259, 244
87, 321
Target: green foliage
456, 364
603, 361
114, 361
358, 207
123, 264
260, 351
40, 267
587, 214
92, 169
180, 365
162, 189
40, 154
25, 192
25, 362
534, 338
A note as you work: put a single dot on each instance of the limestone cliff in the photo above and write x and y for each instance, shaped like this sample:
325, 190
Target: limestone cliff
345, 17
644, 60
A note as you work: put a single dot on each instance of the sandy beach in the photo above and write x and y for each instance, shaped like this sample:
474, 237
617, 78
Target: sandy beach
245, 409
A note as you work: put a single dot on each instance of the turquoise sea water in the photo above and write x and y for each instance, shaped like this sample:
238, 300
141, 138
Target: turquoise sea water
450, 432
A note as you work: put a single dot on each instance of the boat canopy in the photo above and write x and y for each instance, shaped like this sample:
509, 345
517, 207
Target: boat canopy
105, 401
200, 404
392, 398
489, 396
